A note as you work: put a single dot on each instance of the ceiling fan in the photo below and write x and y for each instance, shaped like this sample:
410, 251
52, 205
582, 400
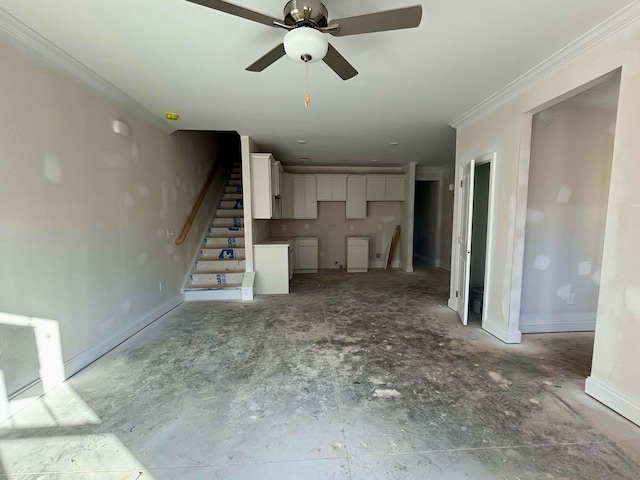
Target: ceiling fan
307, 22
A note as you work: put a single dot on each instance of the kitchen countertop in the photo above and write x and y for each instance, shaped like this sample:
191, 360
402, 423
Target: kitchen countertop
276, 242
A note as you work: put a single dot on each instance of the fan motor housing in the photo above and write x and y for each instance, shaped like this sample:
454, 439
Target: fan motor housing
305, 12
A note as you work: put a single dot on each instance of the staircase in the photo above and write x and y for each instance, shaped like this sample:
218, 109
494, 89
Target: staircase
219, 270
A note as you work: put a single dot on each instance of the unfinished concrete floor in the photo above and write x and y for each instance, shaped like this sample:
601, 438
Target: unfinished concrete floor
365, 376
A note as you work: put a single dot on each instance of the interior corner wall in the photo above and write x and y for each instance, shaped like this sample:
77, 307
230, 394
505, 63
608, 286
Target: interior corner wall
569, 174
615, 378
84, 215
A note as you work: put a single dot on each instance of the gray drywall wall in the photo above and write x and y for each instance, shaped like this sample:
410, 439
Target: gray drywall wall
571, 154
84, 215
479, 226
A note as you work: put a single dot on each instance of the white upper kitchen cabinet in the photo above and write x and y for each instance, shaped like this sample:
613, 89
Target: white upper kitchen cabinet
356, 197
305, 203
265, 203
331, 188
386, 188
286, 192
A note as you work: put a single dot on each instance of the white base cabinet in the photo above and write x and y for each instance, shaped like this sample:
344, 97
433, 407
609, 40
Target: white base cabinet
357, 254
306, 253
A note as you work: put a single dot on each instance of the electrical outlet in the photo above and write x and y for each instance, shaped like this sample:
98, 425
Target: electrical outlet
284, 228
378, 255
306, 226
571, 298
352, 227
160, 286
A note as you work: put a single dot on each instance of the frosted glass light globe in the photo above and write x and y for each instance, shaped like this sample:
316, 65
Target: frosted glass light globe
306, 45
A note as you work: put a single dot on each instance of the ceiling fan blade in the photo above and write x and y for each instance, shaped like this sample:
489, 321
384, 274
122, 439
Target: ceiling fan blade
398, 19
338, 64
267, 59
236, 10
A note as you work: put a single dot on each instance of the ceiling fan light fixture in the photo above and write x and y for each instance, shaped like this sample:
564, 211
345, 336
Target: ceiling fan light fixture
306, 45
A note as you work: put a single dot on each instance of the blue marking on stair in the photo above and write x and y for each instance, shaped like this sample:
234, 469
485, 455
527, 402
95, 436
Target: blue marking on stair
231, 242
238, 204
234, 229
221, 279
239, 189
237, 222
227, 253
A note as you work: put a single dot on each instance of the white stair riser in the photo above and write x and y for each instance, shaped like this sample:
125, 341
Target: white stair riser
234, 293
235, 176
222, 253
228, 197
231, 205
233, 190
229, 213
226, 232
216, 278
220, 266
223, 242
226, 223
234, 183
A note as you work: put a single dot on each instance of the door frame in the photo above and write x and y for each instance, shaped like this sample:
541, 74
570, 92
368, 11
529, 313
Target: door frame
488, 260
490, 158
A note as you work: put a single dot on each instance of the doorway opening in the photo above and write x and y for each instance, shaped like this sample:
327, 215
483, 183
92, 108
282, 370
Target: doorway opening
476, 189
479, 224
568, 188
425, 231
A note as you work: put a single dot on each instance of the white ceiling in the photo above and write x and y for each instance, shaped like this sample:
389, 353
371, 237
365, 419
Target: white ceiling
171, 55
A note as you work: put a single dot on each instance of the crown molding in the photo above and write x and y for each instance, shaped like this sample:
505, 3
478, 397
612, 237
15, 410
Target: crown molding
612, 25
39, 49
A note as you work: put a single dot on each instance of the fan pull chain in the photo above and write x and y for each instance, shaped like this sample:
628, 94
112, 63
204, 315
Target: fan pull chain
307, 98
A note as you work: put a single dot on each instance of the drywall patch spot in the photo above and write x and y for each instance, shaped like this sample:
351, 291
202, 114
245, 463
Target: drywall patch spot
584, 268
52, 167
541, 262
564, 291
174, 193
595, 277
143, 190
142, 259
534, 216
129, 200
115, 160
135, 154
564, 195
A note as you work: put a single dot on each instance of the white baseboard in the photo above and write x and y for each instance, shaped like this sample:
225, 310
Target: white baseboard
507, 336
77, 363
567, 322
615, 400
89, 356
